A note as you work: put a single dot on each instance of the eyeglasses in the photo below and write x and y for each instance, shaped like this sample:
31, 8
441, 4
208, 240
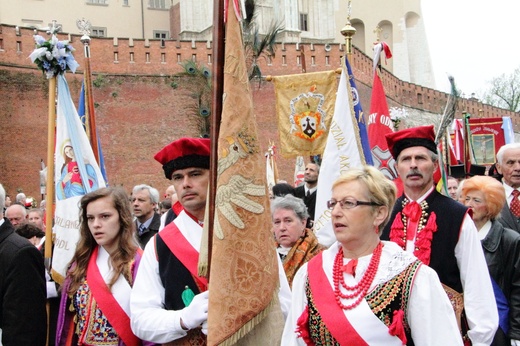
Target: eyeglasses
348, 203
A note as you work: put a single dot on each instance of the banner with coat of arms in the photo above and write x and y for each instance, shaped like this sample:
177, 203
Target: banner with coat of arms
304, 108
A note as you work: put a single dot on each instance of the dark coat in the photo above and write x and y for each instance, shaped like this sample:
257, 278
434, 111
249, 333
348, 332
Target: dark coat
150, 231
310, 202
23, 318
508, 220
502, 251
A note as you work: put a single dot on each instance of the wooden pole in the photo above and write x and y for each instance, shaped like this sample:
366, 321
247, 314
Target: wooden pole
217, 83
49, 198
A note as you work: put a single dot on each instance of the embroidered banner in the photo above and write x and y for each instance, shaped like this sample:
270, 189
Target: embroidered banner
304, 107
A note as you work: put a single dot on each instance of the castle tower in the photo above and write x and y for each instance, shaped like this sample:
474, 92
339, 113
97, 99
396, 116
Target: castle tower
401, 25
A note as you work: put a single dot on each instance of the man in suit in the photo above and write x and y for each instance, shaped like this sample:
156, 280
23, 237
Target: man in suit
23, 319
508, 165
307, 191
144, 203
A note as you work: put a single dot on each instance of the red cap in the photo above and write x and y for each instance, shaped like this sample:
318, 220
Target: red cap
423, 136
184, 153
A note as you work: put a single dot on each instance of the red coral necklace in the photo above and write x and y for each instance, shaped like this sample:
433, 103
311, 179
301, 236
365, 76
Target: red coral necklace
359, 290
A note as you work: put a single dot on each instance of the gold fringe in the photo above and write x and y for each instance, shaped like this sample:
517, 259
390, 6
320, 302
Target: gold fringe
250, 325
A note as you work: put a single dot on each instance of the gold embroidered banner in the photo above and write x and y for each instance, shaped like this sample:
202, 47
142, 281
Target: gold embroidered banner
304, 107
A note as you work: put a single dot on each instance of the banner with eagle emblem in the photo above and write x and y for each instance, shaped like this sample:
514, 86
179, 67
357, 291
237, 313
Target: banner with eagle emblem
304, 108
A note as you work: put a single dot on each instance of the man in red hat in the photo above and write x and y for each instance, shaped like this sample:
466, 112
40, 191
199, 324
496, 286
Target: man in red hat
169, 300
440, 232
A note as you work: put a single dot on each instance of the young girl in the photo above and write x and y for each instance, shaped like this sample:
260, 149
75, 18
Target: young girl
94, 308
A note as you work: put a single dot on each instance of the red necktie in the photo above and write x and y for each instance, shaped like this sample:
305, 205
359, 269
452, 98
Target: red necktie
515, 204
413, 212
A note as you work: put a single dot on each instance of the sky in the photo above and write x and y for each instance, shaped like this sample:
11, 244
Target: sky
473, 40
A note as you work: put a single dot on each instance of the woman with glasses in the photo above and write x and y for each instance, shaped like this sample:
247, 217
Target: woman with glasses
296, 243
486, 197
362, 291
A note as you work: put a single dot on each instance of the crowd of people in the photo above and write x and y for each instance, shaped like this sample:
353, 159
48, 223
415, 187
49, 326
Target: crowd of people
423, 268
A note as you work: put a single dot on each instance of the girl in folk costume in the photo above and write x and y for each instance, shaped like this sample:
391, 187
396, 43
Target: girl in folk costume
95, 304
364, 291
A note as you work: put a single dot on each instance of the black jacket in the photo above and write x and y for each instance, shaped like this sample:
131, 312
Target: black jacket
508, 220
150, 231
502, 251
23, 318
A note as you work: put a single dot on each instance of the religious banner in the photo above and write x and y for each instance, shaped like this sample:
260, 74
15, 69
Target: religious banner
343, 151
76, 174
487, 136
304, 107
244, 282
299, 171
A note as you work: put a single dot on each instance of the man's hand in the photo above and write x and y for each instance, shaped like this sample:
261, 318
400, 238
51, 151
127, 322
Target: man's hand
196, 313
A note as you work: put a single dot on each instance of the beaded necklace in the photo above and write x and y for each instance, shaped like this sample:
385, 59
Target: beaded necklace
360, 289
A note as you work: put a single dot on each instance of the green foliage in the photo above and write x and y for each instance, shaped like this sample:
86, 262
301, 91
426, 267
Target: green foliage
99, 81
258, 46
504, 91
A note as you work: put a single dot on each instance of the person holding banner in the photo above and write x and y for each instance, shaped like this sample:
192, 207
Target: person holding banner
364, 291
169, 300
95, 302
486, 197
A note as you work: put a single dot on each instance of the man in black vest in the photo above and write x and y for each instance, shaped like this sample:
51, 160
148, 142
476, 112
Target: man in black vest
508, 165
439, 231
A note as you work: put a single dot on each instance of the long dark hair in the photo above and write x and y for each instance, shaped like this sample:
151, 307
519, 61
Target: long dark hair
127, 245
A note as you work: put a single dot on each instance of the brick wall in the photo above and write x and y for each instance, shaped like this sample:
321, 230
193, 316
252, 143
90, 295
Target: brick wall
138, 111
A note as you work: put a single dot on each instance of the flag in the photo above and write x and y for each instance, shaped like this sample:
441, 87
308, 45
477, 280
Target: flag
243, 285
299, 171
343, 151
380, 124
269, 167
304, 107
82, 115
360, 117
76, 174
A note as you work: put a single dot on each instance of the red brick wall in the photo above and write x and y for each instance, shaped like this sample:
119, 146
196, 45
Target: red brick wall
138, 111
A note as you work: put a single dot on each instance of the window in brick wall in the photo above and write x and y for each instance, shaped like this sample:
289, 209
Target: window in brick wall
194, 57
18, 46
178, 57
298, 60
1, 44
327, 60
419, 98
163, 58
131, 56
304, 20
313, 60
157, 4
284, 61
97, 2
97, 31
116, 57
147, 57
210, 59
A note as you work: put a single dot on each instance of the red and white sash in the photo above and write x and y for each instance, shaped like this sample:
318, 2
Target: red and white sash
358, 326
183, 237
107, 301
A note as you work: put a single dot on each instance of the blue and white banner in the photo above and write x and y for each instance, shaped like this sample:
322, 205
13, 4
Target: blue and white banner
76, 173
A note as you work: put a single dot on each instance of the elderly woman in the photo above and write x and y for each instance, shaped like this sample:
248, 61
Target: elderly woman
486, 197
362, 291
296, 243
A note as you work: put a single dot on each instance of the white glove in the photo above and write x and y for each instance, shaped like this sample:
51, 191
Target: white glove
194, 314
205, 327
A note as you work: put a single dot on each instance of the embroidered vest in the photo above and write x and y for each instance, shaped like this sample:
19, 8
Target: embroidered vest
450, 215
383, 301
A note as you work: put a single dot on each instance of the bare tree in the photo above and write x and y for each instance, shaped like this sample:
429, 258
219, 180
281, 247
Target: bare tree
504, 91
